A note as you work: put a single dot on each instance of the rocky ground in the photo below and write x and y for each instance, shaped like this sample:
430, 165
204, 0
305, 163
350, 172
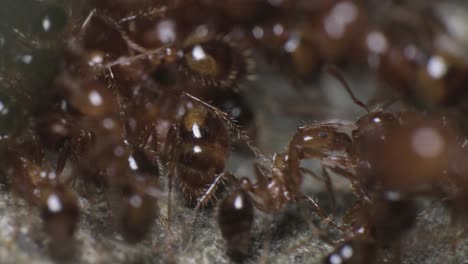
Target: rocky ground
195, 238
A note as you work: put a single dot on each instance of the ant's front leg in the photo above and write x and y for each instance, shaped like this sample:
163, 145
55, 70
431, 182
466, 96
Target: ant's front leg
63, 155
345, 167
326, 218
169, 153
330, 189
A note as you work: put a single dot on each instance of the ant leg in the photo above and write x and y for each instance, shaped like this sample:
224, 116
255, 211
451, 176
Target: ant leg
337, 163
111, 84
312, 174
321, 213
155, 12
171, 151
261, 175
151, 142
210, 191
356, 185
339, 76
336, 123
246, 185
115, 25
88, 19
330, 189
169, 196
315, 230
26, 40
37, 151
63, 157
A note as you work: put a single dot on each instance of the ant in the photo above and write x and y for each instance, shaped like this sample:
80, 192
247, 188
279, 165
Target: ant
43, 187
280, 184
385, 147
276, 186
323, 140
199, 154
198, 147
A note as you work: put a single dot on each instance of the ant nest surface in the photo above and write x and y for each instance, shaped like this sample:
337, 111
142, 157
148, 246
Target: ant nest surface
79, 72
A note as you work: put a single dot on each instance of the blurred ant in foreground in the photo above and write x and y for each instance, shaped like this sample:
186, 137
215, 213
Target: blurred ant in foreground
397, 157
33, 179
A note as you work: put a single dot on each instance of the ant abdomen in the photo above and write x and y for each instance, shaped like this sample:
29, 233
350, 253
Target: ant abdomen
92, 99
443, 88
391, 216
422, 147
215, 62
60, 212
138, 213
202, 152
235, 218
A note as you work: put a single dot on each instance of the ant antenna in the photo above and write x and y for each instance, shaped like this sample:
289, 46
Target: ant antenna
339, 76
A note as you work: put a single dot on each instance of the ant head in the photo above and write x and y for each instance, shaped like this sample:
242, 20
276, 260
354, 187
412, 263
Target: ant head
374, 123
315, 138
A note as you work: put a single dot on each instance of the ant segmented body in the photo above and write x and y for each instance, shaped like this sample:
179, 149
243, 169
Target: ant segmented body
235, 217
280, 183
200, 153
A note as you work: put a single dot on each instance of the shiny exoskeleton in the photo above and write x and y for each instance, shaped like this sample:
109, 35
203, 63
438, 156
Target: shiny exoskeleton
200, 153
235, 218
280, 184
